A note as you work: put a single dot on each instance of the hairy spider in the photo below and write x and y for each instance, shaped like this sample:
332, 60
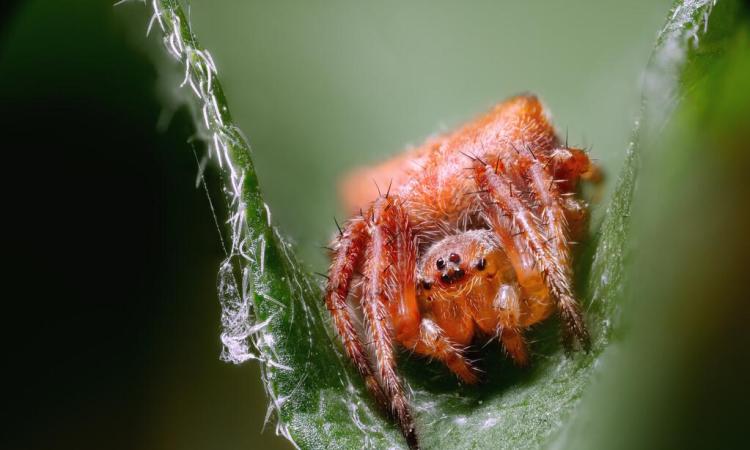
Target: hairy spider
471, 237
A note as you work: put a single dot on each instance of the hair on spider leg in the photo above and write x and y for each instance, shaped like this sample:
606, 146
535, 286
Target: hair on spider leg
380, 194
474, 362
341, 233
473, 158
491, 340
419, 164
527, 147
340, 308
481, 191
553, 159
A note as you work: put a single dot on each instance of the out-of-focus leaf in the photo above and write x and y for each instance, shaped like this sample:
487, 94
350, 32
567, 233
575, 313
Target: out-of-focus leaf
274, 312
677, 378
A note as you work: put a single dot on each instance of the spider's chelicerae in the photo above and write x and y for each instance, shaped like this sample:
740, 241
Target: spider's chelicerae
471, 237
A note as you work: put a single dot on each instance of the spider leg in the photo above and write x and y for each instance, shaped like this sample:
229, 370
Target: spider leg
568, 166
348, 250
402, 305
516, 227
377, 292
507, 211
559, 274
576, 214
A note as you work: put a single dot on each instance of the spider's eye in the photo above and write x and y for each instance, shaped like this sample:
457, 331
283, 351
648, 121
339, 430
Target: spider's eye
440, 263
454, 258
481, 264
446, 278
426, 285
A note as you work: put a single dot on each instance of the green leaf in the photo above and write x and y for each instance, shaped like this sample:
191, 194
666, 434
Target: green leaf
677, 377
273, 310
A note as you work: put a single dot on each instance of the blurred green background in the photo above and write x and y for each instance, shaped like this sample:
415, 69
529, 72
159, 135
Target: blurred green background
125, 354
322, 87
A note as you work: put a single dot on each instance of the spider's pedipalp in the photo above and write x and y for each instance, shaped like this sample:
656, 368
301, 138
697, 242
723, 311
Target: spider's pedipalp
515, 345
431, 341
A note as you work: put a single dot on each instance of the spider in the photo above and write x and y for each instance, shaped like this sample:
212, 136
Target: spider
472, 237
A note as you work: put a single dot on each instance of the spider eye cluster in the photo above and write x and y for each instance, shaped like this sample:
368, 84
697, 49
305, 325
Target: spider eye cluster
452, 276
455, 258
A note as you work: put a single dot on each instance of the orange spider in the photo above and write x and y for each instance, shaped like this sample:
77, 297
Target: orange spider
472, 237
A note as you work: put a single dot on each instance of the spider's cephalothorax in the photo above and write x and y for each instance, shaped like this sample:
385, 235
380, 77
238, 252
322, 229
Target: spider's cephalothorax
472, 237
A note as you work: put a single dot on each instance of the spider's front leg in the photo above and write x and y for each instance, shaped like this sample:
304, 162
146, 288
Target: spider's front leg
386, 301
390, 307
541, 260
348, 250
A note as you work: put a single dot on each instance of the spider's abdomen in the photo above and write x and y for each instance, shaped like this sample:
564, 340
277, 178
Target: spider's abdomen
434, 179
